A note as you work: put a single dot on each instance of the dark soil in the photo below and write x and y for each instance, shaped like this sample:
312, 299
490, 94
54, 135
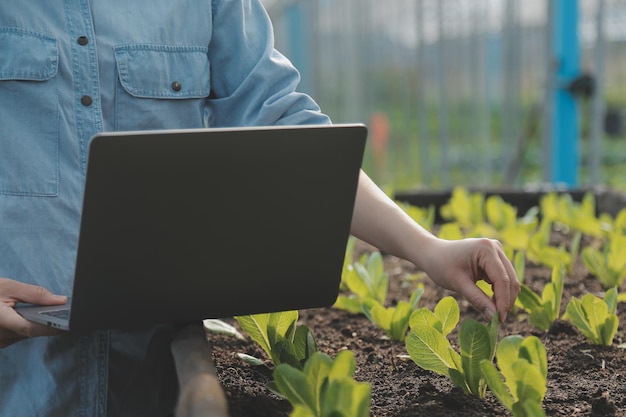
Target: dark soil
583, 379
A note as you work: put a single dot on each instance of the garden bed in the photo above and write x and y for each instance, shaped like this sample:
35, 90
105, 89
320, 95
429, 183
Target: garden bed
583, 379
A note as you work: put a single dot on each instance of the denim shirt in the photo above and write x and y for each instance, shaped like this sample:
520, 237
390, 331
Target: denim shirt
71, 68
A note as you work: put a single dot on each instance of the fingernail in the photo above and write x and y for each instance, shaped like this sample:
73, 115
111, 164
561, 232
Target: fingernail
61, 298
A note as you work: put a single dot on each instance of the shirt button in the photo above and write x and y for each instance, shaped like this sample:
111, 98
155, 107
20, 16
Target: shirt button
82, 40
86, 101
176, 86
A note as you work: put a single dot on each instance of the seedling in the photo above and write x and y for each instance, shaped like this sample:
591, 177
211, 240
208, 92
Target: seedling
500, 214
595, 317
464, 208
578, 216
609, 264
541, 252
523, 365
324, 388
428, 346
366, 279
280, 337
544, 310
393, 320
347, 262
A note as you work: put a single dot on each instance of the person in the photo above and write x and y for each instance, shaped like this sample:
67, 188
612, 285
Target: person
73, 68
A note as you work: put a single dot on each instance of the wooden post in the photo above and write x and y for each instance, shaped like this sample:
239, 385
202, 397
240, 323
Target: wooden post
200, 394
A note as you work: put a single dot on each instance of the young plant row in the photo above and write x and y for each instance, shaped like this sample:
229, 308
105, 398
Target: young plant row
470, 215
513, 368
315, 384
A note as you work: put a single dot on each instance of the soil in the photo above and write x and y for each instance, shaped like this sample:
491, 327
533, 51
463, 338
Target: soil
583, 379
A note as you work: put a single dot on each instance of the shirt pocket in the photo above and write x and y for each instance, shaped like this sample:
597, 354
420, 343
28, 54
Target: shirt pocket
29, 113
161, 86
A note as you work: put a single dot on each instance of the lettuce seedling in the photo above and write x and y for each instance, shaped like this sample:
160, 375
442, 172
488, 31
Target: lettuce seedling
524, 366
347, 263
541, 252
428, 346
393, 320
544, 310
280, 337
609, 264
464, 208
324, 388
366, 279
500, 214
578, 216
595, 317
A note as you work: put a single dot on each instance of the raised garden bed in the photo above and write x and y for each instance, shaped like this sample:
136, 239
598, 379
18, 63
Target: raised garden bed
583, 379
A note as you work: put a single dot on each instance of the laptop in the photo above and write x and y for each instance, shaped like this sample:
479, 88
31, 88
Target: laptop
184, 225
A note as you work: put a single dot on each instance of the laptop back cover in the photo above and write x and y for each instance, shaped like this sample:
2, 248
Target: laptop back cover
186, 225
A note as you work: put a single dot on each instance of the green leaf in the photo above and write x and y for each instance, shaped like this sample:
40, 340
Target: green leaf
377, 313
283, 351
496, 385
424, 316
611, 299
507, 353
346, 398
448, 313
302, 411
458, 379
450, 231
343, 366
530, 383
316, 370
596, 263
416, 296
304, 344
295, 386
430, 350
534, 352
250, 359
578, 317
475, 344
608, 330
256, 327
499, 213
220, 327
523, 365
400, 321
529, 299
351, 304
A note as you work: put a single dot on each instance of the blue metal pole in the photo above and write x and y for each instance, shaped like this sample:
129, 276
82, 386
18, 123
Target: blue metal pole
566, 55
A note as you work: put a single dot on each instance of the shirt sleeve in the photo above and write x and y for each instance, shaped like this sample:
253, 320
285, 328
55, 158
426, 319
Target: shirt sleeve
252, 84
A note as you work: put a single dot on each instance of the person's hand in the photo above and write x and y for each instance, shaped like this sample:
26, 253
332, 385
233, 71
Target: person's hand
14, 327
457, 265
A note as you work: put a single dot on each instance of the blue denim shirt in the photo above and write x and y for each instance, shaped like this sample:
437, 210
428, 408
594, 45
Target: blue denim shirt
69, 69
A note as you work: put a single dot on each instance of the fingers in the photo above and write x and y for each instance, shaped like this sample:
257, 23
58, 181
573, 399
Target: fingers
14, 291
502, 276
14, 327
479, 300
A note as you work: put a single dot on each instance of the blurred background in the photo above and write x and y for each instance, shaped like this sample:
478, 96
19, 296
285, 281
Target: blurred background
478, 93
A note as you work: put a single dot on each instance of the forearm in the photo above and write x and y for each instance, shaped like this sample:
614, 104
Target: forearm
379, 221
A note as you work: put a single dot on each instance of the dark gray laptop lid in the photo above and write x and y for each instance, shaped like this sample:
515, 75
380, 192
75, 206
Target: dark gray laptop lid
186, 225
